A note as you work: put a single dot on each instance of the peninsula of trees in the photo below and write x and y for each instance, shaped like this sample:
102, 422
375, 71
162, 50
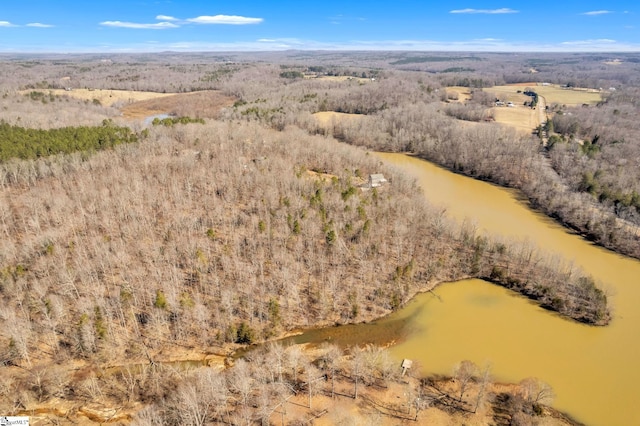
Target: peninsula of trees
242, 215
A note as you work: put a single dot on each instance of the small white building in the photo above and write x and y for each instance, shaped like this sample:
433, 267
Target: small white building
406, 364
377, 180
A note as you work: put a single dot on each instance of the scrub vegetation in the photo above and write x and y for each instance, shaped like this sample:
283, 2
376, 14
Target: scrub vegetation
243, 217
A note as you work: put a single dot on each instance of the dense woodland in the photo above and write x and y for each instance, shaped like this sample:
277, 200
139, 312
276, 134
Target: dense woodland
216, 233
19, 142
604, 163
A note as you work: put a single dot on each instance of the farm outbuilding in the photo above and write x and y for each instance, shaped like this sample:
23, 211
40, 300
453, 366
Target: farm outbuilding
377, 180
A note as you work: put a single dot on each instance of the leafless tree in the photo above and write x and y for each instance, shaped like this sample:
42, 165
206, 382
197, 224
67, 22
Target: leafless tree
464, 373
331, 357
535, 391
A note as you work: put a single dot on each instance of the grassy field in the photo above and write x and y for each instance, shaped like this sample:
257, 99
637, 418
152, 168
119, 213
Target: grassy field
571, 97
138, 104
342, 78
552, 94
107, 97
327, 117
464, 93
508, 94
526, 119
521, 117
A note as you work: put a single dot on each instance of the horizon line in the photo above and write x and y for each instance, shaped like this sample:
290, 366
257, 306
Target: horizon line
327, 49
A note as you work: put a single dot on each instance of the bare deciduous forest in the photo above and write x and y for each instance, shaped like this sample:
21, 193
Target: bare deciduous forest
242, 222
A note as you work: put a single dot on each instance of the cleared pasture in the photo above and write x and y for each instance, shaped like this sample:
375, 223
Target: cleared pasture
203, 104
105, 97
341, 78
552, 94
569, 97
520, 117
464, 93
326, 118
507, 95
139, 104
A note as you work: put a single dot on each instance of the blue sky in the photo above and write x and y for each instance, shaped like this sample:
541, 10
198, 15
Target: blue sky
70, 26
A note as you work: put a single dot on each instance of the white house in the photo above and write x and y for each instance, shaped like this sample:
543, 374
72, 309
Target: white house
377, 180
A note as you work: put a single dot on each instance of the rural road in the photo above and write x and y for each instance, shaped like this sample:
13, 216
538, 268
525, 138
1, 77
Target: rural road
542, 117
542, 110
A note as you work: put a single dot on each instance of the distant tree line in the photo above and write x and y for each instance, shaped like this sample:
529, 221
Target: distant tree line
170, 121
23, 143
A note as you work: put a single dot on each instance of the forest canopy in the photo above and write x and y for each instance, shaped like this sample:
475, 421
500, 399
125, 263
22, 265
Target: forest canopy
255, 217
23, 143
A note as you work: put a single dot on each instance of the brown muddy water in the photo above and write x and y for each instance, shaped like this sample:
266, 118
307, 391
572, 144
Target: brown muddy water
594, 371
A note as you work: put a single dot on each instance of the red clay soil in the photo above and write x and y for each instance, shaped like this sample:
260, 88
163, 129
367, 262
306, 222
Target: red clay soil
204, 104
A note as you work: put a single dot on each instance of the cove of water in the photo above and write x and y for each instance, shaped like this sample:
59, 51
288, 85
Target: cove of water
594, 371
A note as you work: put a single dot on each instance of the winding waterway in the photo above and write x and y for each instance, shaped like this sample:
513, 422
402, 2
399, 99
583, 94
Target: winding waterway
594, 371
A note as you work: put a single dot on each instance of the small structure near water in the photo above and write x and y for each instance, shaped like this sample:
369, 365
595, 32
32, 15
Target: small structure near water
406, 364
377, 180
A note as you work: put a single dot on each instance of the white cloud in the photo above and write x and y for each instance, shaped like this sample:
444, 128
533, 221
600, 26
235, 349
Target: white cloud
596, 42
6, 24
597, 12
157, 26
173, 22
166, 18
500, 11
477, 45
39, 25
266, 40
225, 20
264, 45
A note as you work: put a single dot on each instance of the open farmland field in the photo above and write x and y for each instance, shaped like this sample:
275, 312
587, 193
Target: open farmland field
137, 104
325, 118
520, 117
509, 94
551, 93
107, 97
558, 95
204, 104
342, 78
463, 92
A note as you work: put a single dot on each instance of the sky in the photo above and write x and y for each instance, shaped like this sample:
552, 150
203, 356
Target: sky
75, 26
